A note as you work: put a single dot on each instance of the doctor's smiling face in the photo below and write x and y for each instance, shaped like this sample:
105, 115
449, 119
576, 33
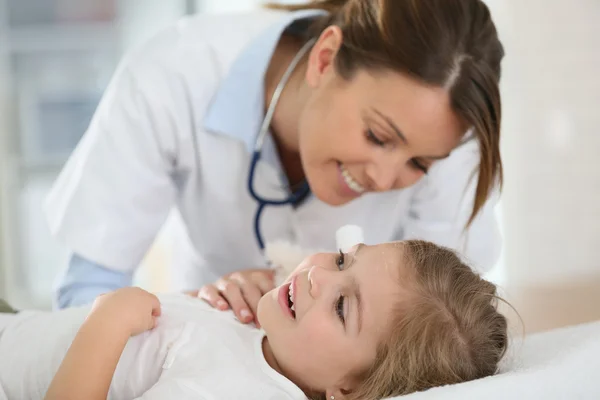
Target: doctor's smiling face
325, 323
373, 131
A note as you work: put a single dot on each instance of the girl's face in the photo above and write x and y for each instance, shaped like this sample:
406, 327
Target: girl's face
342, 304
376, 132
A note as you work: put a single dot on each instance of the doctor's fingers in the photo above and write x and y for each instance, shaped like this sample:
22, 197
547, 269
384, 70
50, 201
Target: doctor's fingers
264, 279
251, 291
231, 290
212, 296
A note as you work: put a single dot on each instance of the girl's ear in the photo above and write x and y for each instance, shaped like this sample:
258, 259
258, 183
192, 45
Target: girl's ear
337, 394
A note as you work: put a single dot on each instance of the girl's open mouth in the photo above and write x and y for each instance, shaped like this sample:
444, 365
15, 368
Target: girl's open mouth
287, 297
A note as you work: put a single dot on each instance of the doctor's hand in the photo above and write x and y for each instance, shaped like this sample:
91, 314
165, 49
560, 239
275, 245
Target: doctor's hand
239, 291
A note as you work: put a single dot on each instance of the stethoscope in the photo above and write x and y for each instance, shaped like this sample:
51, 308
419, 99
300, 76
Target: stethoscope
300, 193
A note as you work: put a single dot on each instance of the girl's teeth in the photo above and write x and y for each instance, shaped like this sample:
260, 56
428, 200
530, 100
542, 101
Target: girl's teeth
291, 297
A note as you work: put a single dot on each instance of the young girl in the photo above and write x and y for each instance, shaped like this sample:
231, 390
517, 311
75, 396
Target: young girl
378, 321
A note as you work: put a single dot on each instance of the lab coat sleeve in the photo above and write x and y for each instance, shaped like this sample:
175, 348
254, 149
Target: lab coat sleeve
84, 280
116, 190
442, 205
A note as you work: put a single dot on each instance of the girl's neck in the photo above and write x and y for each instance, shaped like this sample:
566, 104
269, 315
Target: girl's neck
272, 361
270, 356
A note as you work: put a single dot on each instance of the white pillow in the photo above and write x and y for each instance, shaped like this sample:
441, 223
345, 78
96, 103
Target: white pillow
558, 364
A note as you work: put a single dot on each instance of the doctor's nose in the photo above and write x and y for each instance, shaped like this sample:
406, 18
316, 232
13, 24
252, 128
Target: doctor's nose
382, 176
319, 279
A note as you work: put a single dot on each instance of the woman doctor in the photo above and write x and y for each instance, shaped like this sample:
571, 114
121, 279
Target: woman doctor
389, 111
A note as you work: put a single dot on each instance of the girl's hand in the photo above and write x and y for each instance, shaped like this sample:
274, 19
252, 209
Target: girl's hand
131, 309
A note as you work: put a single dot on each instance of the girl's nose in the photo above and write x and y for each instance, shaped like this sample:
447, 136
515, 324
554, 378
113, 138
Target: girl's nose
318, 279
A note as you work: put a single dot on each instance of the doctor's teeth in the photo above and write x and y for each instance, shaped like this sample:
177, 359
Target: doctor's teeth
293, 307
352, 184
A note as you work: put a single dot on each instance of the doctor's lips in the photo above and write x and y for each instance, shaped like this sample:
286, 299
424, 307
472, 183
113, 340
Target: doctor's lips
349, 182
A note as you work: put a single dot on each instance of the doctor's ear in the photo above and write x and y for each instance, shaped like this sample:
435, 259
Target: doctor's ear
322, 56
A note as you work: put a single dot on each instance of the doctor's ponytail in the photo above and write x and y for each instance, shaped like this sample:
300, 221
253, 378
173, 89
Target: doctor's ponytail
451, 44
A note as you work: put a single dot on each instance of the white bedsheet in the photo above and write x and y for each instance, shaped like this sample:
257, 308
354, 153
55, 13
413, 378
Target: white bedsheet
559, 364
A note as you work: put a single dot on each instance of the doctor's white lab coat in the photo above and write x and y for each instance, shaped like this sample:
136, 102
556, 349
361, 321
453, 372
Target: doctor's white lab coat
175, 129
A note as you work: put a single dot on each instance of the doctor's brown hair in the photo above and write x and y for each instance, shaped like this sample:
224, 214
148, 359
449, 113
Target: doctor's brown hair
444, 43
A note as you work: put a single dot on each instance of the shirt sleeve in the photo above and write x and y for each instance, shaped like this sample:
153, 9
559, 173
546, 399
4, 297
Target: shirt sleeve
442, 205
84, 280
116, 190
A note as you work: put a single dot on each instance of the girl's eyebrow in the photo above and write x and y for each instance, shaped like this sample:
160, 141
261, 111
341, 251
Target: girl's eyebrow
356, 287
356, 290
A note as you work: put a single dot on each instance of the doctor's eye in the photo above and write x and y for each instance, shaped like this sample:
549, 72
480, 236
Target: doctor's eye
339, 260
419, 165
374, 139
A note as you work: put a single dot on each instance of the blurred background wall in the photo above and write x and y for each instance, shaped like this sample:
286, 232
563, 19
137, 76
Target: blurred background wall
551, 142
56, 57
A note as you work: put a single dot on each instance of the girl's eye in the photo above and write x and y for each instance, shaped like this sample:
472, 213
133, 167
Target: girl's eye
419, 165
339, 309
374, 139
339, 260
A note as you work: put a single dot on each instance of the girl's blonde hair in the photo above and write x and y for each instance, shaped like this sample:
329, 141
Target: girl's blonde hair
450, 331
447, 331
443, 43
